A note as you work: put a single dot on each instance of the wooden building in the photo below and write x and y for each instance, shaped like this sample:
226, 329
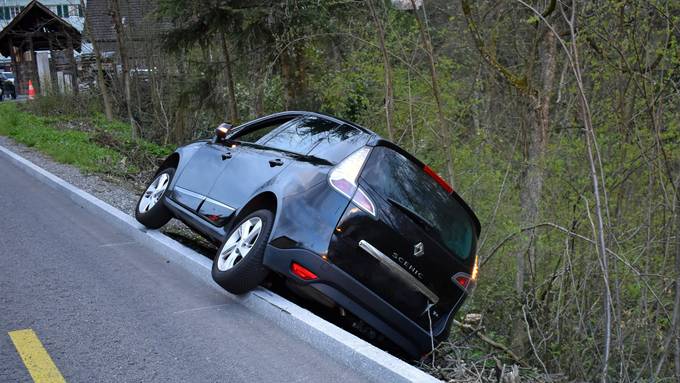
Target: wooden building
28, 38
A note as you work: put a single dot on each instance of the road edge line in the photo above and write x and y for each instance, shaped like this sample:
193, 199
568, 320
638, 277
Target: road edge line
340, 345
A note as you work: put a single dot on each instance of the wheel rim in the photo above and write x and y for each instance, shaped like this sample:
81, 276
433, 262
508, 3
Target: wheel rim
154, 193
239, 243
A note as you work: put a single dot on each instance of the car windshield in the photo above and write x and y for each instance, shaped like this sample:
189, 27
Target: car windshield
407, 187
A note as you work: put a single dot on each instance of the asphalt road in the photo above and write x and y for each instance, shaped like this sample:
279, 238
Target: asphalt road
107, 310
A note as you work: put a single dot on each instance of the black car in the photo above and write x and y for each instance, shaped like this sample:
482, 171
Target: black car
7, 88
352, 220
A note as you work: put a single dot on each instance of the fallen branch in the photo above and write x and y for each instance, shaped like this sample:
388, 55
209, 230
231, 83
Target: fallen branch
491, 342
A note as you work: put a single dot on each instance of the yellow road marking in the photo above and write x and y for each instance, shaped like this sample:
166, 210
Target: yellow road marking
35, 357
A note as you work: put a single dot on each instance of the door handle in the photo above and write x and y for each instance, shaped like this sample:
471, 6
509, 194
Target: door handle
276, 162
226, 156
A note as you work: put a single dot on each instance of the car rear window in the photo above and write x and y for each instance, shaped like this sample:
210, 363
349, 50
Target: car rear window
397, 178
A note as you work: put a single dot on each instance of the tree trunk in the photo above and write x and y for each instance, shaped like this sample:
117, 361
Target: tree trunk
387, 68
676, 306
124, 60
286, 76
229, 79
594, 163
108, 111
443, 125
293, 76
532, 176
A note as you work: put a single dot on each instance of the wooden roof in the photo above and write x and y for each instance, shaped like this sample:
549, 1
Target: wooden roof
42, 25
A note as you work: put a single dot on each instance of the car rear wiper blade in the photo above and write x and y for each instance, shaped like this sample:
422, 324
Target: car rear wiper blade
412, 214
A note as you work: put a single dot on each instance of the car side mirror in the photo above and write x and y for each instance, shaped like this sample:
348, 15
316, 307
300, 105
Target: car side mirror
222, 130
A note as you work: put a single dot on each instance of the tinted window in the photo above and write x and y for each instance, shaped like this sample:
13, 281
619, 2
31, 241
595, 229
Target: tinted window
341, 133
302, 135
259, 132
398, 179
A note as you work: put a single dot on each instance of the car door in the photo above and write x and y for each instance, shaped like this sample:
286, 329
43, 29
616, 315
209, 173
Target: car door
199, 175
255, 164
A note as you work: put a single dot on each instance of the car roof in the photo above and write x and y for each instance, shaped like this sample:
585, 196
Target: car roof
374, 140
329, 117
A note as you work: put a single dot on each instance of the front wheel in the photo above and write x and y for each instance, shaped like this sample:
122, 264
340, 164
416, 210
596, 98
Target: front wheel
150, 210
237, 266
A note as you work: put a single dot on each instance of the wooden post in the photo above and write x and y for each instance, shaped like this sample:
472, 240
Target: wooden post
53, 72
72, 60
17, 73
33, 65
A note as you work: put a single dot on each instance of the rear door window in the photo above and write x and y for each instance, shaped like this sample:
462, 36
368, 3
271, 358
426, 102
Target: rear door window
404, 184
302, 135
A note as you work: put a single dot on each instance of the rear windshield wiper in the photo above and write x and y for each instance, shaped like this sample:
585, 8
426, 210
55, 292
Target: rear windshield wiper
413, 215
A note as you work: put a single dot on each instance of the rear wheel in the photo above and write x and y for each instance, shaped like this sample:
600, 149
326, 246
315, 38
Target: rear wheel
237, 266
150, 211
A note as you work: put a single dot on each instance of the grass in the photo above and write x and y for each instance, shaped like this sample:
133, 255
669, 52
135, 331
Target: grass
90, 143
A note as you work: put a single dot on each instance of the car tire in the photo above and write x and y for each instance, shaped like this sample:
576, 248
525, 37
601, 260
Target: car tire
237, 266
150, 210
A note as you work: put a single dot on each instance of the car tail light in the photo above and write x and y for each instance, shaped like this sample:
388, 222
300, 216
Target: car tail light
438, 178
302, 272
465, 281
344, 176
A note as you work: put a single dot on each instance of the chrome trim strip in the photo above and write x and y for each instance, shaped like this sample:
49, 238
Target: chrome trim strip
218, 203
188, 192
399, 271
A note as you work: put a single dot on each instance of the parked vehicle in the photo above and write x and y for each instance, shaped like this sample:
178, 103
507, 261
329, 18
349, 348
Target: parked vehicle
9, 76
7, 88
350, 219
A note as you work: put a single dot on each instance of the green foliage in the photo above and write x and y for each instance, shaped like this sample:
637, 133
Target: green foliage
106, 148
64, 106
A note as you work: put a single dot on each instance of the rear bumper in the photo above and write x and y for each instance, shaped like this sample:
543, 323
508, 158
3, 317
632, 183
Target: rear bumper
354, 297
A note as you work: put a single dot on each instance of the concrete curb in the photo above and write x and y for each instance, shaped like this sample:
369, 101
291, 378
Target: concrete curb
340, 345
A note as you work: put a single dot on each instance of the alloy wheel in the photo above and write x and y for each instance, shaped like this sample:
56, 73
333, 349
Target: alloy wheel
154, 193
239, 243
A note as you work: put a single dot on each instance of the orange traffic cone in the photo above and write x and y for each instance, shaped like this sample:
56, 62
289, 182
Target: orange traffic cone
31, 90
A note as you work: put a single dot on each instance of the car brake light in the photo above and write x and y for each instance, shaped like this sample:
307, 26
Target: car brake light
438, 178
302, 272
343, 178
464, 280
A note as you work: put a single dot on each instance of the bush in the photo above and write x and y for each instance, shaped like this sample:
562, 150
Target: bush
57, 105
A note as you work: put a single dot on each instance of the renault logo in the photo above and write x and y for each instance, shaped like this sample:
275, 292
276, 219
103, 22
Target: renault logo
418, 249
